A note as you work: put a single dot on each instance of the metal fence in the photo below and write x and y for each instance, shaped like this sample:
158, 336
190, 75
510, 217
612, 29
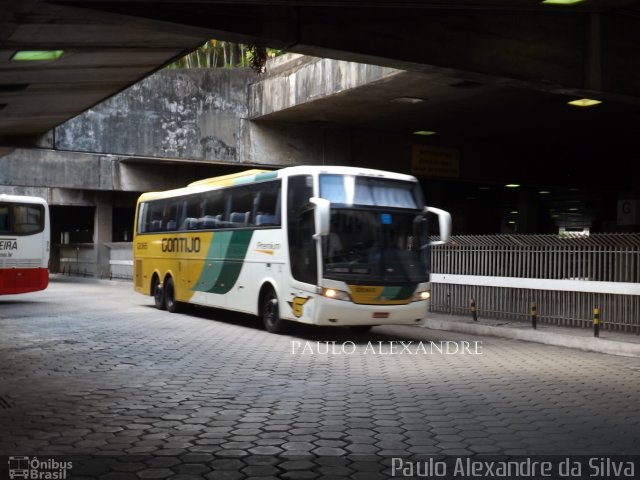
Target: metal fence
566, 278
78, 259
120, 260
81, 259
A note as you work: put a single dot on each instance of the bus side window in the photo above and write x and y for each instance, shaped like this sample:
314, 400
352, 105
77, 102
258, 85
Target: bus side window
242, 203
169, 216
212, 210
154, 216
142, 218
190, 213
268, 205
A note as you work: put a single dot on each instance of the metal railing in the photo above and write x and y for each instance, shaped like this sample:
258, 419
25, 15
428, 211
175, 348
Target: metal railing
120, 260
78, 259
565, 277
81, 259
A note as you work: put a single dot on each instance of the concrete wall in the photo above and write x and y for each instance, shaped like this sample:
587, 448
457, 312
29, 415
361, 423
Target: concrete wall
296, 80
214, 115
191, 114
66, 178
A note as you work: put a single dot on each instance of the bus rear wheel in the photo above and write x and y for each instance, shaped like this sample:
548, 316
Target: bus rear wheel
173, 306
270, 313
158, 294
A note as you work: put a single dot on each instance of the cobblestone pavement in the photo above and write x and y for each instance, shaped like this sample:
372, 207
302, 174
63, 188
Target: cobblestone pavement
91, 369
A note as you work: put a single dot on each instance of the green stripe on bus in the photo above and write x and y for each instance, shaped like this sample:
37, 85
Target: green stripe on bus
397, 293
266, 176
255, 178
226, 254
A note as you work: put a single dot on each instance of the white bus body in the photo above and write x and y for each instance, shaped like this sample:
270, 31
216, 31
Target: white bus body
24, 244
339, 246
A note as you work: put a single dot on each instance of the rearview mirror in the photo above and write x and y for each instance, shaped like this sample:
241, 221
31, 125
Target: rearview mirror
444, 223
322, 213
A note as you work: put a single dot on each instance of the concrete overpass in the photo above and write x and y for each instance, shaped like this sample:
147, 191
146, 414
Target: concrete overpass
549, 52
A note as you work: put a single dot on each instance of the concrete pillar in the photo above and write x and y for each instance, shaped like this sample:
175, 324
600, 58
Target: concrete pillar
103, 232
527, 212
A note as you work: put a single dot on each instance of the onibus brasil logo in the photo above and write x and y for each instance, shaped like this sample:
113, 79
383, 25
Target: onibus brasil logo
33, 468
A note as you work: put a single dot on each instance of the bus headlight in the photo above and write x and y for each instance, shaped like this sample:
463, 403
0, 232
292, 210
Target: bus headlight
336, 294
420, 296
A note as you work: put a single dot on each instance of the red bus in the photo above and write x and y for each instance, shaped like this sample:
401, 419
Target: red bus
24, 244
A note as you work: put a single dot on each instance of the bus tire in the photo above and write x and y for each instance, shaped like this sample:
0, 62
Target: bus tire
173, 306
270, 313
158, 294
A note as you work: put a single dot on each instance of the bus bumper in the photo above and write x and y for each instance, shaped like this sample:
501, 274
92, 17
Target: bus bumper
23, 280
344, 313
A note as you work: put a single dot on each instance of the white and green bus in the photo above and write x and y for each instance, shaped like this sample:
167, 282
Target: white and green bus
340, 246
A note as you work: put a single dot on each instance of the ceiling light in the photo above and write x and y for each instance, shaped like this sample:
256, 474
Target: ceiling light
584, 102
37, 55
544, 192
424, 132
561, 2
409, 100
512, 185
514, 212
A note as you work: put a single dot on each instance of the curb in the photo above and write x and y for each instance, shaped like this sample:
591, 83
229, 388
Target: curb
589, 344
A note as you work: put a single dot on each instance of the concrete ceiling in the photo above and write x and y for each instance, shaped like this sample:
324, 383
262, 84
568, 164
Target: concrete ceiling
103, 54
485, 69
472, 109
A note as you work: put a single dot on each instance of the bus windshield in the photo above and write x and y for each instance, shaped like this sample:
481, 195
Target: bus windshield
372, 246
350, 190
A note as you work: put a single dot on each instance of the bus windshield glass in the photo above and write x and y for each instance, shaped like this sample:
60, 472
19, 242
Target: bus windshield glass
372, 246
352, 190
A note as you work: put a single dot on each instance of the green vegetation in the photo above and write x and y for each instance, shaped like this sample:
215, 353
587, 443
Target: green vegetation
218, 54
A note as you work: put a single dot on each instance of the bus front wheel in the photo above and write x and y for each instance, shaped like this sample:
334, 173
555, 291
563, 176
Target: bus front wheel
270, 313
173, 306
158, 294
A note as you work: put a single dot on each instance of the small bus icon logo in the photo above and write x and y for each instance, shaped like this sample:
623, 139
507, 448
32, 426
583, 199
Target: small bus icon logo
18, 467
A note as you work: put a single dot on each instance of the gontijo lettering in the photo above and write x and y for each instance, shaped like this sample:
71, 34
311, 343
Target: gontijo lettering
182, 245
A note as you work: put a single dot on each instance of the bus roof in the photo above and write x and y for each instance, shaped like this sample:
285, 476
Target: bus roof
22, 199
226, 180
257, 175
